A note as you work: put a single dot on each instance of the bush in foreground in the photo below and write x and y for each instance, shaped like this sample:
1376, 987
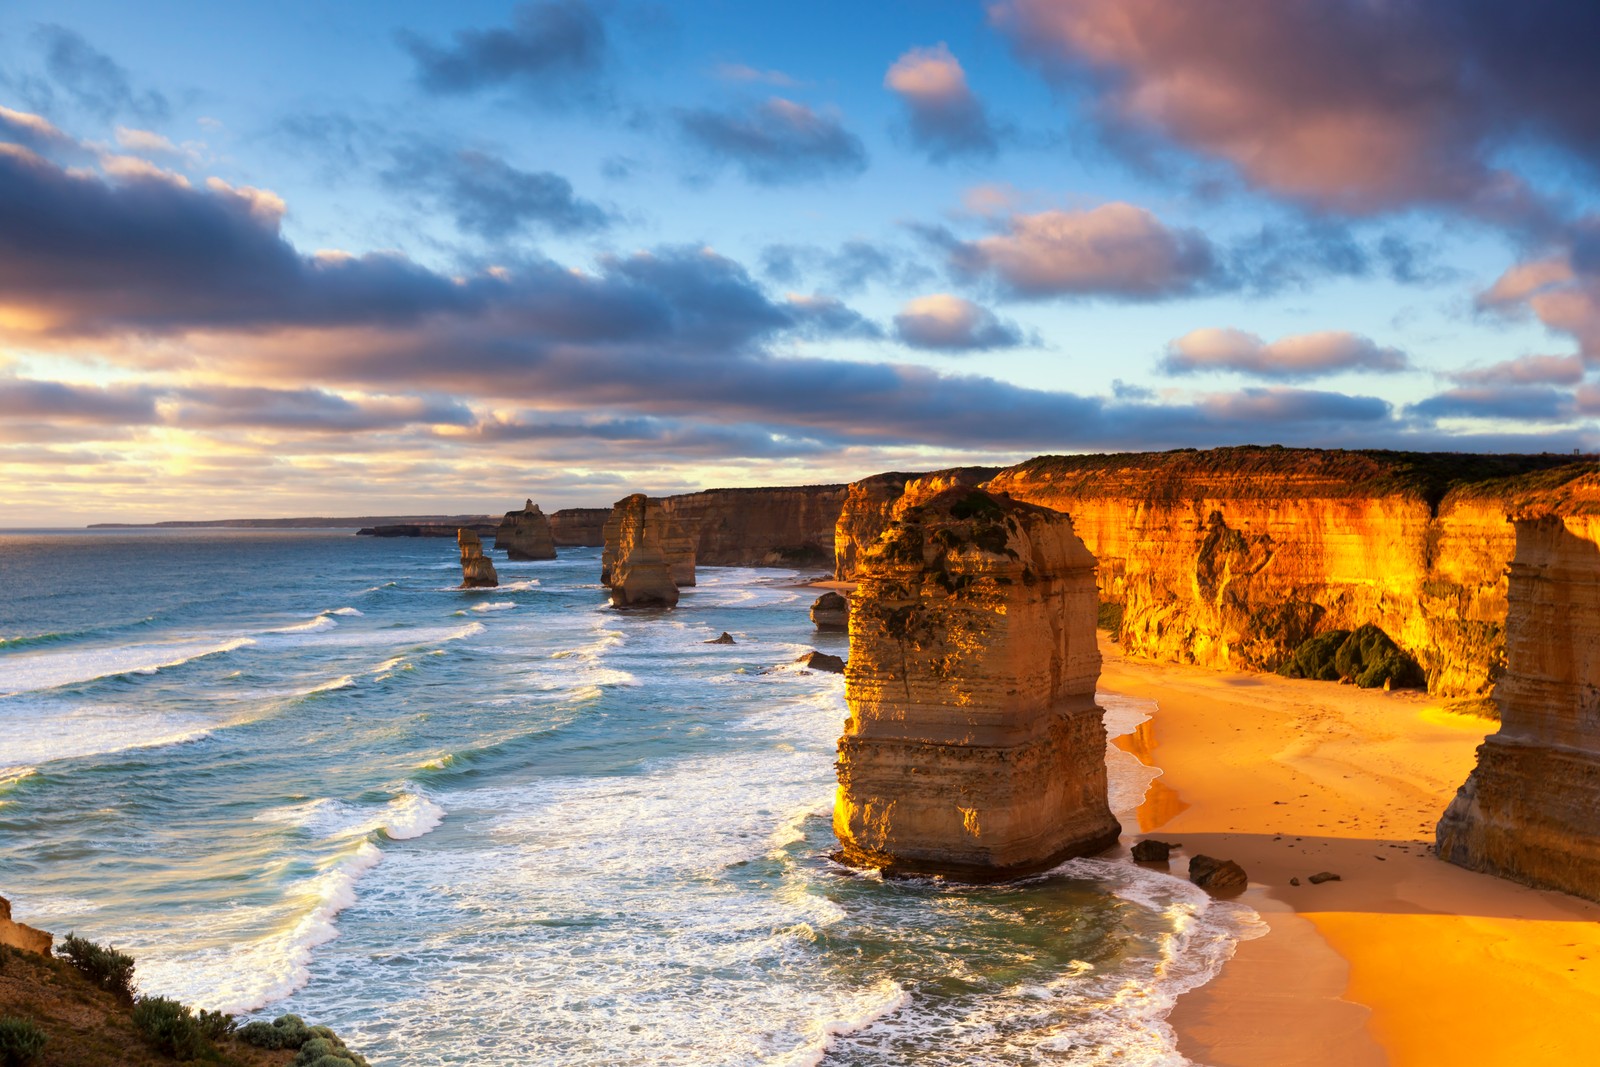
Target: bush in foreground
170, 1027
318, 1045
1366, 656
104, 966
20, 1041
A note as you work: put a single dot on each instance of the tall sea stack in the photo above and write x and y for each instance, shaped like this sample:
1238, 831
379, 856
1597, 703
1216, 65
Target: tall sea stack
1530, 811
974, 748
638, 519
525, 534
476, 570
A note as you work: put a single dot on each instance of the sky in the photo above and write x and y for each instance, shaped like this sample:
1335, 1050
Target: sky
303, 258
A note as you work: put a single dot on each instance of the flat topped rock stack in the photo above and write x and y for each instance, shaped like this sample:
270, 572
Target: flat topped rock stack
974, 748
476, 570
526, 534
636, 520
1530, 811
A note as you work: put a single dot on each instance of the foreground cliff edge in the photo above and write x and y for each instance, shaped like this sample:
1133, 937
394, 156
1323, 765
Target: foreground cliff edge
974, 748
1530, 810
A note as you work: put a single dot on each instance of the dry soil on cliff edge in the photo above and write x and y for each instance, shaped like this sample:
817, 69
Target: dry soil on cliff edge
1406, 960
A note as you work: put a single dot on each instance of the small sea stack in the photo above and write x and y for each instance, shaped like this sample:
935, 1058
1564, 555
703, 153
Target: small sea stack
476, 570
831, 612
525, 534
637, 520
974, 747
642, 579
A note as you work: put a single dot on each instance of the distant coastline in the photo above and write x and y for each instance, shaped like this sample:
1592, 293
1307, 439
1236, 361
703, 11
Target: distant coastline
317, 523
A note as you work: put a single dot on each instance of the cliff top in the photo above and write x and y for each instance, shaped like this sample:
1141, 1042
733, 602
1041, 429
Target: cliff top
1573, 489
1253, 471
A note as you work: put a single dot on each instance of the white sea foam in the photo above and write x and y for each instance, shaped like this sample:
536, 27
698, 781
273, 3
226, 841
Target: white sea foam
37, 671
324, 621
346, 611
498, 605
343, 682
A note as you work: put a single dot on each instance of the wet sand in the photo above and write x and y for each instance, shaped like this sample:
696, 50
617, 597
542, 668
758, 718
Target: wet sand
1406, 960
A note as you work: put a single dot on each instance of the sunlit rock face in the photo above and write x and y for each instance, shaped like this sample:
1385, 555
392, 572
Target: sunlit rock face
18, 936
637, 520
974, 748
1531, 809
643, 579
476, 570
787, 526
526, 534
870, 505
1230, 558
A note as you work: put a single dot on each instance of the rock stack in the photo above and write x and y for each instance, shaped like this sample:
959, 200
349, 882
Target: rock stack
476, 570
526, 534
974, 748
1530, 811
831, 612
643, 579
636, 520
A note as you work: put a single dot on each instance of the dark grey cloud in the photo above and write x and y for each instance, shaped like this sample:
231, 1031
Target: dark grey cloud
646, 437
778, 142
944, 116
1521, 403
946, 323
489, 197
313, 410
94, 81
115, 404
850, 267
554, 51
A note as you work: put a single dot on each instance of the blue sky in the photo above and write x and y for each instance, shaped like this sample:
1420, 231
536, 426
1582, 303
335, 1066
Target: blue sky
304, 258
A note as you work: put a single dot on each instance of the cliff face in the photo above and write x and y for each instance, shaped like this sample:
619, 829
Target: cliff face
1231, 557
525, 534
974, 747
576, 527
1531, 809
637, 521
789, 526
476, 570
868, 507
18, 936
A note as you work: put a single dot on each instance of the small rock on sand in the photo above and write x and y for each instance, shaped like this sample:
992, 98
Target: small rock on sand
1323, 876
1217, 876
1152, 851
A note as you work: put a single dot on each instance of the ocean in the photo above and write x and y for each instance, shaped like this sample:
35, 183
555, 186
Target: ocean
299, 771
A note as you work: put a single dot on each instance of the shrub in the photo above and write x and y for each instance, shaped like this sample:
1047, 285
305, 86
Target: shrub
1109, 618
1367, 656
327, 1050
104, 966
216, 1025
21, 1041
286, 1031
1314, 658
170, 1027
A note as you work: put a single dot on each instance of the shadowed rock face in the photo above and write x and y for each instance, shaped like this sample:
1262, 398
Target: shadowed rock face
1530, 811
638, 519
525, 534
476, 570
974, 748
785, 526
584, 527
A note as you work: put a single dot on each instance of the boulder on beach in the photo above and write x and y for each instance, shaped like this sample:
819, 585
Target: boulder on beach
1152, 851
1217, 876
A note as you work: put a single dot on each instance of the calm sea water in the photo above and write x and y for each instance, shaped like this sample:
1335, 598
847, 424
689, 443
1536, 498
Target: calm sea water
300, 771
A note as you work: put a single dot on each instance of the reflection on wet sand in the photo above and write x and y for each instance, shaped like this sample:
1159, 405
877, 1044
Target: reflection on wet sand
1161, 802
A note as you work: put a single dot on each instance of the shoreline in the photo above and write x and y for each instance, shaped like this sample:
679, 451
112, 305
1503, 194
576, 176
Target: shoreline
1406, 960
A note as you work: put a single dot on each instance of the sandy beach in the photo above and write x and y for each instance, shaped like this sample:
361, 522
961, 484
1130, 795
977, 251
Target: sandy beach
1405, 960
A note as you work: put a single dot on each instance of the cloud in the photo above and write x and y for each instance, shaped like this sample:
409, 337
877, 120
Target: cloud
778, 142
36, 133
554, 51
312, 410
117, 405
1565, 299
95, 82
946, 323
1306, 355
946, 118
828, 317
491, 198
1521, 403
850, 267
1114, 250
739, 72
1526, 370
146, 141
1354, 107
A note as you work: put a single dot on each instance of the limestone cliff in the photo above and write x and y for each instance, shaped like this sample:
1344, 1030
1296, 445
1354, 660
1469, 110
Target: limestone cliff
638, 520
18, 936
476, 570
642, 578
575, 527
1531, 809
870, 505
974, 748
785, 526
1231, 557
526, 534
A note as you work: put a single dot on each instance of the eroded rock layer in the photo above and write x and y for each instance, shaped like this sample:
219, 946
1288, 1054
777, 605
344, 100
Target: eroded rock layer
526, 534
786, 526
637, 521
18, 936
476, 570
974, 748
579, 527
1531, 809
1232, 557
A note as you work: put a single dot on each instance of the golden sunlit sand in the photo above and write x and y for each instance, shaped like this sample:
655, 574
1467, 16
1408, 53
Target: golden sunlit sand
1405, 960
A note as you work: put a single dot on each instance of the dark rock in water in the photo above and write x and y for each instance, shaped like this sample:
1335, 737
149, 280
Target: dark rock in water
831, 612
1294, 881
525, 534
725, 639
821, 661
1152, 851
1217, 876
1323, 876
